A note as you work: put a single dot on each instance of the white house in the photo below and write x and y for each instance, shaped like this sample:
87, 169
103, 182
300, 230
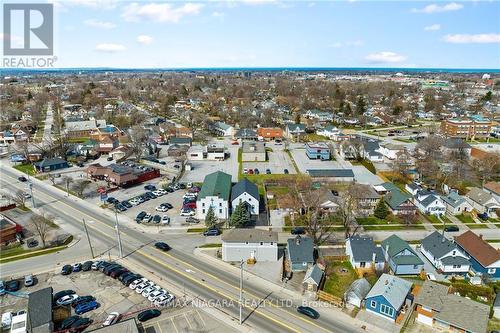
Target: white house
243, 244
390, 150
363, 253
214, 193
456, 204
482, 201
329, 131
216, 151
195, 153
247, 192
429, 203
221, 129
444, 254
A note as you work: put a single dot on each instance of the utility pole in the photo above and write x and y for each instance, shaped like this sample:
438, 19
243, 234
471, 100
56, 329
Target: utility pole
118, 234
241, 291
30, 186
88, 238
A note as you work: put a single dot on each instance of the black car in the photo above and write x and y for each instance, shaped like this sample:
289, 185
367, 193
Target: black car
120, 207
62, 293
286, 171
169, 189
12, 285
80, 325
151, 195
131, 278
116, 274
126, 204
256, 171
66, 269
335, 193
157, 219
298, 231
182, 186
148, 314
66, 323
125, 275
212, 232
140, 216
150, 187
106, 267
103, 265
82, 299
87, 266
451, 228
162, 246
32, 243
22, 179
168, 205
112, 268
310, 312
268, 171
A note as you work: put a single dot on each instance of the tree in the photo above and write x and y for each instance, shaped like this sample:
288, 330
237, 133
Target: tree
19, 198
67, 182
240, 217
138, 137
41, 227
408, 219
349, 206
210, 219
381, 211
80, 186
360, 106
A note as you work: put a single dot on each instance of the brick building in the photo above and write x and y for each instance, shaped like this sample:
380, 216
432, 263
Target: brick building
467, 128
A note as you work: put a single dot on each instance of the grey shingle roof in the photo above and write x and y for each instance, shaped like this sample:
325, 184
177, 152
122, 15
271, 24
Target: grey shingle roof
428, 200
246, 133
438, 245
315, 274
466, 314
431, 295
249, 235
453, 199
359, 288
363, 249
454, 261
242, 186
392, 288
330, 173
40, 307
300, 249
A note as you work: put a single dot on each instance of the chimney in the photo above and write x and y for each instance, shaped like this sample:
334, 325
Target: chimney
386, 282
387, 252
297, 240
374, 256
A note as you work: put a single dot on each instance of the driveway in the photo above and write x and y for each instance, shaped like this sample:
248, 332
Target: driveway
428, 267
364, 176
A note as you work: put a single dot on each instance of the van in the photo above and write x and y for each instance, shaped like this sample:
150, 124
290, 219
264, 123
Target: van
6, 320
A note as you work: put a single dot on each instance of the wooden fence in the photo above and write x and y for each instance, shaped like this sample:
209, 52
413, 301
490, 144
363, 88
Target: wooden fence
326, 297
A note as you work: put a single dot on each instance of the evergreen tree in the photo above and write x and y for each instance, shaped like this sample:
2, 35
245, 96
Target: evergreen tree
210, 218
381, 211
360, 106
239, 217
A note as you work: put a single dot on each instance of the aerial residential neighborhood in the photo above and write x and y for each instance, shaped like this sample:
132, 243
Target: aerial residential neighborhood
250, 166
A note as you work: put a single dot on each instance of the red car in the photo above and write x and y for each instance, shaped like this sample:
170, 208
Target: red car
235, 143
189, 205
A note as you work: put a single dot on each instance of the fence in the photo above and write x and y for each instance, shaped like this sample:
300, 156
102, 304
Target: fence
326, 297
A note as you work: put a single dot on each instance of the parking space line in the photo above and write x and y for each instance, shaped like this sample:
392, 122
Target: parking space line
202, 320
173, 323
159, 326
187, 319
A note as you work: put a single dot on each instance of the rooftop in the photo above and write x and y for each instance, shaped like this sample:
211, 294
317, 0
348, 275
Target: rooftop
249, 235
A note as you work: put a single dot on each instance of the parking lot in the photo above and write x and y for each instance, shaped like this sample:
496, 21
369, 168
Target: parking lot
113, 296
278, 161
303, 162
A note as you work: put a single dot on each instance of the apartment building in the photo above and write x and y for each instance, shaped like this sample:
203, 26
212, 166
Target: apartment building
468, 128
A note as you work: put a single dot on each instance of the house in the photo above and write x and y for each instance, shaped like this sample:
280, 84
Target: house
6, 137
50, 164
456, 146
181, 140
321, 116
317, 151
456, 204
484, 259
177, 150
214, 193
270, 133
436, 307
195, 153
8, 229
40, 311
482, 201
388, 296
367, 199
293, 131
329, 131
86, 148
215, 151
221, 129
444, 254
82, 128
119, 152
357, 292
413, 188
493, 188
390, 150
327, 201
243, 244
247, 192
312, 279
364, 254
401, 257
246, 134
106, 144
253, 151
334, 175
300, 253
399, 203
429, 203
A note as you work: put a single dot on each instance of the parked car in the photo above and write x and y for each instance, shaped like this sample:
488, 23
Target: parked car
80, 325
268, 171
22, 179
77, 267
149, 290
137, 282
155, 294
161, 208
112, 318
164, 300
451, 228
66, 300
162, 246
483, 216
140, 216
62, 293
147, 218
140, 288
29, 280
212, 232
86, 307
165, 219
131, 278
82, 299
308, 311
431, 276
120, 207
12, 285
6, 321
148, 314
87, 266
286, 171
66, 270
66, 323
109, 158
192, 220
32, 243
157, 219
298, 231
126, 204
116, 273
96, 264
2, 287
187, 212
189, 205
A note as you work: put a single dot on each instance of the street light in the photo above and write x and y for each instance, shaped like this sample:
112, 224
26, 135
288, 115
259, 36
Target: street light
118, 233
241, 291
30, 186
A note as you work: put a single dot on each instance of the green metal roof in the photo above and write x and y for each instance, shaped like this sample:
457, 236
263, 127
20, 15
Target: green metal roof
217, 184
396, 198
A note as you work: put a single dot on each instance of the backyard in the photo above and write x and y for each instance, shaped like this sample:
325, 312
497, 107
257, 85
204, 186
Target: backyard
340, 275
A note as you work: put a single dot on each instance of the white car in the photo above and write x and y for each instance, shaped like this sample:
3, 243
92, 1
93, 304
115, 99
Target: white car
162, 209
187, 212
6, 320
164, 300
149, 290
189, 195
157, 193
162, 191
26, 195
95, 265
140, 288
165, 219
68, 299
112, 318
137, 282
134, 202
156, 294
431, 277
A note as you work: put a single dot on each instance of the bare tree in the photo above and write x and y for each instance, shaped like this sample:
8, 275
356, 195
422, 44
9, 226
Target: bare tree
138, 136
349, 206
41, 226
487, 168
428, 156
80, 186
67, 182
19, 198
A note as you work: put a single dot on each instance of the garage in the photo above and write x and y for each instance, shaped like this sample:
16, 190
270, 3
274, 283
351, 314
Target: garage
424, 319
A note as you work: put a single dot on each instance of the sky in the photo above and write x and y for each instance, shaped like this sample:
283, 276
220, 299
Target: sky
259, 33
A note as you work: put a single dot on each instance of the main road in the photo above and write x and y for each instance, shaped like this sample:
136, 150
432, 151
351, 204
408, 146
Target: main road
265, 309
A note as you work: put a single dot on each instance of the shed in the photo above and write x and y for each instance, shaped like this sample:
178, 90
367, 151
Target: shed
357, 292
312, 279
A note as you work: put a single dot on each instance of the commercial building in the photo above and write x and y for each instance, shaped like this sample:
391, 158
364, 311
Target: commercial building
254, 151
8, 230
270, 133
243, 244
214, 193
318, 151
123, 175
468, 128
40, 311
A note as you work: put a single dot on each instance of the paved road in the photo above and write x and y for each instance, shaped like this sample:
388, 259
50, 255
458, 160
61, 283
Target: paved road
49, 120
178, 266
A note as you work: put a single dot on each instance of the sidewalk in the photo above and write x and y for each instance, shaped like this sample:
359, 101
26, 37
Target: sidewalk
459, 223
298, 297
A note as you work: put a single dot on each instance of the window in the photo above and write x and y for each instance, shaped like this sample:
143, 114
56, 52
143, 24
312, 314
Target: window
373, 304
203, 211
261, 243
387, 310
220, 211
362, 264
202, 204
492, 270
220, 204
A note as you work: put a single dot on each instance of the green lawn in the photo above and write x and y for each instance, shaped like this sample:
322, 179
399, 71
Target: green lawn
394, 227
26, 168
338, 282
465, 218
370, 220
19, 253
435, 220
476, 225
